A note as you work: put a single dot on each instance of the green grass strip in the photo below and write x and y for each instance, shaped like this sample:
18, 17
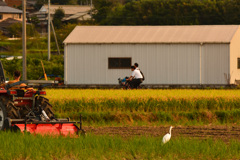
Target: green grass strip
19, 146
146, 105
174, 118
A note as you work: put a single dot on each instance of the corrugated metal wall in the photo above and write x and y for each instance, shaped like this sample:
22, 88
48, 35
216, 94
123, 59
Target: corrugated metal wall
215, 63
160, 63
235, 54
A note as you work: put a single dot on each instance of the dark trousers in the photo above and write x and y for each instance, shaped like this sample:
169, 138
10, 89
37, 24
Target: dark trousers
134, 83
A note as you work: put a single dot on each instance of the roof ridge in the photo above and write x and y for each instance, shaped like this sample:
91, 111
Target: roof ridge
52, 5
3, 3
153, 34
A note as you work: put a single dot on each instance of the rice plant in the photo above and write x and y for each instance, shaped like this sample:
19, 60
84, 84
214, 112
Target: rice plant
154, 106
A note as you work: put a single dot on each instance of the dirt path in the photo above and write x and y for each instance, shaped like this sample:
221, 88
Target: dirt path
216, 132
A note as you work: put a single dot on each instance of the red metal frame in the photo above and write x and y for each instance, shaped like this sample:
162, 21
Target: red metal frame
39, 127
3, 91
64, 129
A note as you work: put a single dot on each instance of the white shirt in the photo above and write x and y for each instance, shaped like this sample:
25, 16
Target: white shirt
137, 74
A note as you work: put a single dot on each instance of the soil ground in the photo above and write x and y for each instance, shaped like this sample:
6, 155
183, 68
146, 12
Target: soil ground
225, 133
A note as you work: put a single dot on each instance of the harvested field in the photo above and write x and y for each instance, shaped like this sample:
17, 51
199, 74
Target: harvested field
224, 133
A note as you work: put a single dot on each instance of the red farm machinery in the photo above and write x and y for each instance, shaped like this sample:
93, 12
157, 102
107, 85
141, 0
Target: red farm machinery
27, 110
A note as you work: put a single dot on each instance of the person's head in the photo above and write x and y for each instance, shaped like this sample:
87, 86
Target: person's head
17, 75
136, 65
132, 68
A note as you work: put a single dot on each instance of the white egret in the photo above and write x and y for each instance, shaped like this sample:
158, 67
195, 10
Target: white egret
167, 137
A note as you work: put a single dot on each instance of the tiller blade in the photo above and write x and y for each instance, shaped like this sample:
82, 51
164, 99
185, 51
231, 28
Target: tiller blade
64, 129
60, 127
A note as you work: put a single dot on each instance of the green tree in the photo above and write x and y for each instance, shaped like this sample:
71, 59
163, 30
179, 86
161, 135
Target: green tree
83, 2
61, 2
34, 20
40, 3
2, 37
103, 10
16, 30
63, 32
57, 18
167, 12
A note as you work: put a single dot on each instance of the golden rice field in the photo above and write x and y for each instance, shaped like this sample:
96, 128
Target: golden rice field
178, 106
76, 94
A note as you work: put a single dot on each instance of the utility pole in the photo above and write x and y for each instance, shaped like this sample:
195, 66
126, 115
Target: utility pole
24, 37
55, 37
49, 37
91, 9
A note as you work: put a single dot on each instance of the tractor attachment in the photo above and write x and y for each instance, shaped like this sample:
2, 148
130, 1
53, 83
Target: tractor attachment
24, 109
62, 127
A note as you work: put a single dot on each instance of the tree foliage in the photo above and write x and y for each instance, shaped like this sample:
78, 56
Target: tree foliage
40, 3
167, 12
34, 20
2, 37
57, 18
34, 67
63, 32
60, 2
83, 2
16, 30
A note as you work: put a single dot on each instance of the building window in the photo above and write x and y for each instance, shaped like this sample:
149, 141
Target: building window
1, 16
20, 16
119, 63
238, 63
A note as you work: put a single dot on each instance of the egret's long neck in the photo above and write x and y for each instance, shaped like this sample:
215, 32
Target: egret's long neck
170, 130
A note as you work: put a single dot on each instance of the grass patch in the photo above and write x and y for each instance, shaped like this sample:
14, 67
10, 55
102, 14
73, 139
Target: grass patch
19, 146
174, 118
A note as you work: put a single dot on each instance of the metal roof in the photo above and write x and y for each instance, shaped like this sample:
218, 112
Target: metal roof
7, 22
6, 9
81, 16
68, 9
153, 34
3, 3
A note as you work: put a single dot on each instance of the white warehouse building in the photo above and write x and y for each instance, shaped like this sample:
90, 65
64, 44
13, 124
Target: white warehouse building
167, 55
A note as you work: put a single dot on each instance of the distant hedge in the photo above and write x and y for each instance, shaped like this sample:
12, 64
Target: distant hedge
34, 66
167, 12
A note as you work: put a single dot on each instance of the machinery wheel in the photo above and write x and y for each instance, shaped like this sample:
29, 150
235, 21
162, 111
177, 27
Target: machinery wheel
3, 116
11, 111
45, 105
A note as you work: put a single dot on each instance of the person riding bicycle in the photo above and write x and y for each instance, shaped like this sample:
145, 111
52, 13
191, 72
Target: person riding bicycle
136, 67
136, 78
